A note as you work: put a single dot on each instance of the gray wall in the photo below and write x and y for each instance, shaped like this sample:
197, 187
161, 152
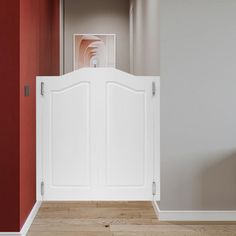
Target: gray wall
198, 104
145, 37
99, 17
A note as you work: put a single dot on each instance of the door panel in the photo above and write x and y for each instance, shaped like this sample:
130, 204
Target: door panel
126, 126
70, 135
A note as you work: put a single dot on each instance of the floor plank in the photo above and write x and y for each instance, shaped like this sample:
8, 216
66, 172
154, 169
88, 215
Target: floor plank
116, 219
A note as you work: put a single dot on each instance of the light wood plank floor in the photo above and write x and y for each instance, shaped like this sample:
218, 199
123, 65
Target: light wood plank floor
116, 219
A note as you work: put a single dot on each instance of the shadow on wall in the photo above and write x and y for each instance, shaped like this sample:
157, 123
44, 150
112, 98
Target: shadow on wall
218, 184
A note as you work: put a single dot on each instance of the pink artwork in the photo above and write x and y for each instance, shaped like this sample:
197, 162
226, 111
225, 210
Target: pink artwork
94, 50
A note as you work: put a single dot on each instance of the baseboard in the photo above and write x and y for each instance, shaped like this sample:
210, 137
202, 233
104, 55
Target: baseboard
163, 215
10, 233
27, 224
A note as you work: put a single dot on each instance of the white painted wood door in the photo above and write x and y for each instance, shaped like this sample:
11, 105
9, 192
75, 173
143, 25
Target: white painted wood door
98, 136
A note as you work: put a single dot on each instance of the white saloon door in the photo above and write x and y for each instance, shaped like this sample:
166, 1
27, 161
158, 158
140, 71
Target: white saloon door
98, 135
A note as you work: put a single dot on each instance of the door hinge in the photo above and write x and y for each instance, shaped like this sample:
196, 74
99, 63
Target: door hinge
153, 88
42, 188
42, 88
154, 188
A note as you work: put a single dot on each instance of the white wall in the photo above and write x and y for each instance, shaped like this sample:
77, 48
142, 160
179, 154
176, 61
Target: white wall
198, 105
98, 17
144, 37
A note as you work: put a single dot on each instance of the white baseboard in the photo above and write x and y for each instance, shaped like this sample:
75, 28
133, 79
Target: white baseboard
27, 223
163, 215
10, 233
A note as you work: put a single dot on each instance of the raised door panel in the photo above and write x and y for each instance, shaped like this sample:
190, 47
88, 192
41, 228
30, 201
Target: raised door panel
125, 131
70, 135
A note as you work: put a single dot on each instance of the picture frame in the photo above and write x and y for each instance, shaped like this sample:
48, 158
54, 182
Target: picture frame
94, 50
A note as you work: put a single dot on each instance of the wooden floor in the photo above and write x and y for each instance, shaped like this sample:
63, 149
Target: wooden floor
116, 219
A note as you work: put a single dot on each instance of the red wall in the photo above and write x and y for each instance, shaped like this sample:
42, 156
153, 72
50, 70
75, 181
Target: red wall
9, 115
38, 56
29, 47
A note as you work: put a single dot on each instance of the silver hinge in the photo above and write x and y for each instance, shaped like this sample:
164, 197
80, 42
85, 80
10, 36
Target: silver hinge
42, 88
153, 89
154, 188
42, 188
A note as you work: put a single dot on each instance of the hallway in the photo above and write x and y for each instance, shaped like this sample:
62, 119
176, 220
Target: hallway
116, 219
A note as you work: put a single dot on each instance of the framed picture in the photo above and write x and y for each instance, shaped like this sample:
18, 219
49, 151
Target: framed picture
94, 50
